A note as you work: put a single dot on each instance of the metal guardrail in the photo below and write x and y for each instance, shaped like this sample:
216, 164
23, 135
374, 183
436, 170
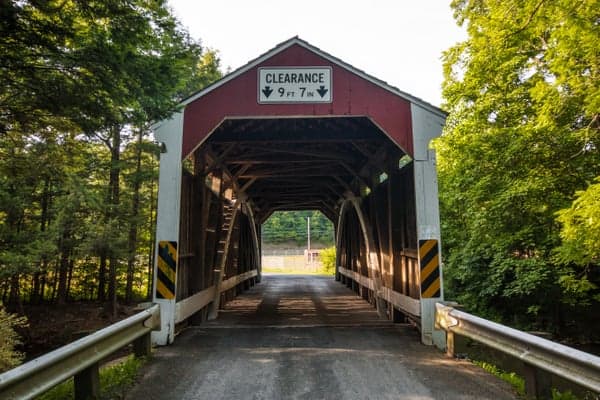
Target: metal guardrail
536, 353
80, 359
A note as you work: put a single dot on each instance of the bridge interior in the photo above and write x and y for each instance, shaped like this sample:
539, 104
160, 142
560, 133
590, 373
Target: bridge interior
345, 167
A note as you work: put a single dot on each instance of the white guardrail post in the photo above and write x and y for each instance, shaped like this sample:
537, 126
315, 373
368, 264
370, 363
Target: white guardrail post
80, 359
539, 356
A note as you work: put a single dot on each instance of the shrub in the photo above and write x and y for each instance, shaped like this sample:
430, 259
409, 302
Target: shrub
328, 260
9, 339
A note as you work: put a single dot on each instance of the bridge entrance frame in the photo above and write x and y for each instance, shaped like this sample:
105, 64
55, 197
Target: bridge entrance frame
379, 188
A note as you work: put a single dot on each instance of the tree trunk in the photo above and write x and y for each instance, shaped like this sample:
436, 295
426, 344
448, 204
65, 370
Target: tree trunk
113, 184
102, 279
70, 275
39, 278
35, 288
152, 228
63, 270
43, 281
15, 305
54, 281
135, 206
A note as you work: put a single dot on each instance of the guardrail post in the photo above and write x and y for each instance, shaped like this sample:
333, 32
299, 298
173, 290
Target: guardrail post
537, 382
87, 383
142, 346
450, 344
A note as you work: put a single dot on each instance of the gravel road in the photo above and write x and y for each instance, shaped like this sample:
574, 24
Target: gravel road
307, 337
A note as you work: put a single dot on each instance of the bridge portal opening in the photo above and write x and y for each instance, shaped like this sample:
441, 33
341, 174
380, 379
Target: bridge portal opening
255, 143
344, 167
298, 242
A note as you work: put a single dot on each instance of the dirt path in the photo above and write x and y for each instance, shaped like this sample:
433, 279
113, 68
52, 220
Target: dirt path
297, 337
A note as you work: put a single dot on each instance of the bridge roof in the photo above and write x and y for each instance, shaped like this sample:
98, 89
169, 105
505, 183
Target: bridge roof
354, 94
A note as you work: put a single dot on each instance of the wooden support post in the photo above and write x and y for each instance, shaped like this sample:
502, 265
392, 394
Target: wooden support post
87, 383
538, 383
142, 346
365, 293
372, 258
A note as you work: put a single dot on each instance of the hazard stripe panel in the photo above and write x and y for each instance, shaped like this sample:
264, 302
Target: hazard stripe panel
166, 273
429, 257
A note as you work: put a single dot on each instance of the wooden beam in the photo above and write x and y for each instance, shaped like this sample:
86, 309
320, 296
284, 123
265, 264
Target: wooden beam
355, 174
217, 159
247, 185
214, 307
372, 259
308, 153
254, 161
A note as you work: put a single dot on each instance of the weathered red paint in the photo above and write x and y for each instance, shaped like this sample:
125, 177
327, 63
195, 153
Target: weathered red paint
352, 96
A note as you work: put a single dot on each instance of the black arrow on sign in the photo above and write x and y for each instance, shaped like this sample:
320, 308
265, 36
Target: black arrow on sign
267, 91
322, 91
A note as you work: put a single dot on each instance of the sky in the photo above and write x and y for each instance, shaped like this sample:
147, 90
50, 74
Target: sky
398, 41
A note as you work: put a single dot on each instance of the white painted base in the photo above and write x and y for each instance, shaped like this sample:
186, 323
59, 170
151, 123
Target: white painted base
430, 335
166, 335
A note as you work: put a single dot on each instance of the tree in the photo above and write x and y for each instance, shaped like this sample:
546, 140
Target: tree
291, 226
9, 339
580, 247
81, 82
522, 137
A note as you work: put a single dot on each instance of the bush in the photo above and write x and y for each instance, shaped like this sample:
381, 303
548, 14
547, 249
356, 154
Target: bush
328, 260
9, 339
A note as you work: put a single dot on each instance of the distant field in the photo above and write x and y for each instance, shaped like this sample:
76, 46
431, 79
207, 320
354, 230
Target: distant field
293, 264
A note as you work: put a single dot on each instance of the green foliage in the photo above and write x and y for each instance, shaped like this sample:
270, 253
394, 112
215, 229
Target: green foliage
581, 228
79, 84
92, 63
114, 381
9, 339
522, 138
327, 257
568, 395
515, 380
292, 227
518, 383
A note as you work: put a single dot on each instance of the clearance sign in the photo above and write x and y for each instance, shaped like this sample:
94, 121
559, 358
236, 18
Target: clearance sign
294, 85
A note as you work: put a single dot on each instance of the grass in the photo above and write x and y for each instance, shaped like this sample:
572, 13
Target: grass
115, 379
292, 271
296, 265
518, 383
515, 380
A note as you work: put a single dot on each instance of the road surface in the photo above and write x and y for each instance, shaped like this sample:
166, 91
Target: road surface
307, 337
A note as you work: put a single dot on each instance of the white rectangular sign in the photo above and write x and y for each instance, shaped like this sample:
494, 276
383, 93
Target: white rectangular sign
294, 85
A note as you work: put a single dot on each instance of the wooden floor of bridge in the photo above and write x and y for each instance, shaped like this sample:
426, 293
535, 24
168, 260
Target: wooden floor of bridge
307, 337
298, 300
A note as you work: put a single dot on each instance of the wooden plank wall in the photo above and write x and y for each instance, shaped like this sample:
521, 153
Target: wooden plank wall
404, 233
203, 215
390, 207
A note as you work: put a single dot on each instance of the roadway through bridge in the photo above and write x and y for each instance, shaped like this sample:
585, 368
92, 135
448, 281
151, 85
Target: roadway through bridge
307, 337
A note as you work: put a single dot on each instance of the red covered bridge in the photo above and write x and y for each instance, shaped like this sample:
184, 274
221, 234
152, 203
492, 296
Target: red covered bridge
298, 129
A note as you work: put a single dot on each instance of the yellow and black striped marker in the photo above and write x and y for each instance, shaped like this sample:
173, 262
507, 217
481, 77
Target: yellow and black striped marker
429, 255
167, 270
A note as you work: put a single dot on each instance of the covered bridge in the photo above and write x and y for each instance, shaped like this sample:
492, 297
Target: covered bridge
298, 129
